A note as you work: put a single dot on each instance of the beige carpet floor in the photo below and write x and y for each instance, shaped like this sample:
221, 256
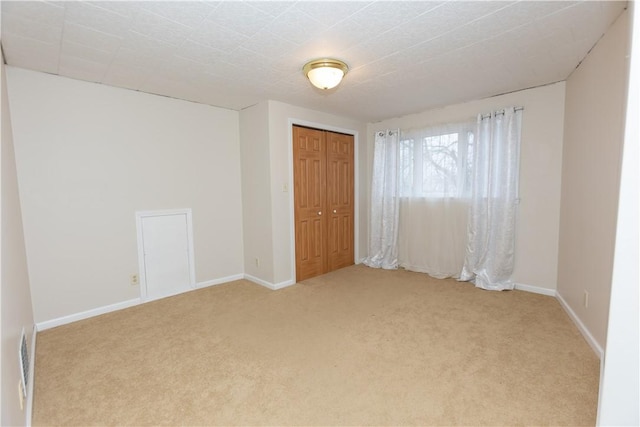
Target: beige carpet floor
354, 347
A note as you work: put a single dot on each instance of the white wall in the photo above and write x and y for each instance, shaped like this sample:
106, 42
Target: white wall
15, 296
280, 118
256, 192
620, 388
88, 157
593, 135
540, 170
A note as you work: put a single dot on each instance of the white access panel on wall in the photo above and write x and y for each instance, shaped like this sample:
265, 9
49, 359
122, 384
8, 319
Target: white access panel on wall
165, 253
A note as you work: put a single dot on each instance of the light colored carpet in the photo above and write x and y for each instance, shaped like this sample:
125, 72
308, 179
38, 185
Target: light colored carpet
354, 347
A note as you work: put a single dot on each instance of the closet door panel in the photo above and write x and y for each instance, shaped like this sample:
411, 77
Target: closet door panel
309, 169
340, 196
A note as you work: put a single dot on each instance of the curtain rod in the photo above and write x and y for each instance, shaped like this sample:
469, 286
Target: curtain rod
486, 116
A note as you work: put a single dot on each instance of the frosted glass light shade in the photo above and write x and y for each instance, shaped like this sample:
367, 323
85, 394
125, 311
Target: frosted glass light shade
325, 73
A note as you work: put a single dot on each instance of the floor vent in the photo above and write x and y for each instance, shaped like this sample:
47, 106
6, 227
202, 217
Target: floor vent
23, 354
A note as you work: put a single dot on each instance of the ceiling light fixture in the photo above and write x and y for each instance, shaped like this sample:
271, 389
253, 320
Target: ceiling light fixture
325, 73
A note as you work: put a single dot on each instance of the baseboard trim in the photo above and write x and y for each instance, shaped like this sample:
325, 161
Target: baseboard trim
269, 285
536, 289
32, 374
219, 281
48, 324
284, 284
581, 327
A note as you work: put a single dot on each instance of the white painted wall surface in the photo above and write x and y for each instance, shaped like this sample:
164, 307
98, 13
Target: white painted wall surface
280, 117
15, 296
540, 171
593, 136
620, 386
88, 157
256, 192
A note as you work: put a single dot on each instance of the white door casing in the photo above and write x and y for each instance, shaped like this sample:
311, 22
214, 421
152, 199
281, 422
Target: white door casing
165, 253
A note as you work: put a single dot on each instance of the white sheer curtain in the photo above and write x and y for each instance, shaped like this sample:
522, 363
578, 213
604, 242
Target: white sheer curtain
492, 218
383, 232
435, 194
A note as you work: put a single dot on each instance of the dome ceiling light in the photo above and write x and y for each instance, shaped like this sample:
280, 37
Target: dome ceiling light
325, 73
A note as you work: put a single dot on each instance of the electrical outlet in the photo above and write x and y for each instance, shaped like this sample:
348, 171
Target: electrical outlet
586, 299
257, 262
134, 280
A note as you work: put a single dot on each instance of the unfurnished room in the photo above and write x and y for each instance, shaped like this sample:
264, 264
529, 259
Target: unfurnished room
320, 213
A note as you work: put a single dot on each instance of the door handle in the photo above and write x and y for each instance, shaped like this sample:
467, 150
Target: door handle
319, 212
335, 211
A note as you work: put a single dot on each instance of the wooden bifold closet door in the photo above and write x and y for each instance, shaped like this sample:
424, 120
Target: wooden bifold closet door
323, 166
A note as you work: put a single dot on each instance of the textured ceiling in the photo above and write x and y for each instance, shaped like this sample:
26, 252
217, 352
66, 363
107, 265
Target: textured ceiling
404, 56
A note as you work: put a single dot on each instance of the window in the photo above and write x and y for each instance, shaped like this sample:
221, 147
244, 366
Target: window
436, 162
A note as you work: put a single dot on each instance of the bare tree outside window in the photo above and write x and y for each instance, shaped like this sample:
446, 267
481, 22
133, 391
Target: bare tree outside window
437, 166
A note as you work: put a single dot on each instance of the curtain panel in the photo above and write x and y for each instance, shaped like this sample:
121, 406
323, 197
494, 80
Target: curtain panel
435, 170
432, 235
385, 202
490, 252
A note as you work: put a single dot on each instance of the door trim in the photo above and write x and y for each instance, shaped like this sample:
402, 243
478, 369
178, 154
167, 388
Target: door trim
140, 215
356, 188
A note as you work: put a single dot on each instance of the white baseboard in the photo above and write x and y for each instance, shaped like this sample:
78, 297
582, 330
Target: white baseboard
284, 284
258, 281
32, 374
581, 327
219, 281
536, 289
272, 286
597, 349
48, 324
